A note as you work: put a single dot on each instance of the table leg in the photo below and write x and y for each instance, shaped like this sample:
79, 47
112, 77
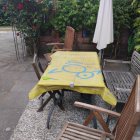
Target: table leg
58, 100
44, 104
49, 116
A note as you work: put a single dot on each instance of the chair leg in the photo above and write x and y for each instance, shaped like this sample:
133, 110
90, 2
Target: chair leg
61, 105
57, 101
41, 100
95, 122
61, 100
108, 116
119, 107
49, 116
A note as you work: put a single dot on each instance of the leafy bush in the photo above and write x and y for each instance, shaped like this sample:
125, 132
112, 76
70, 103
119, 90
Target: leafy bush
26, 15
31, 17
48, 8
123, 19
122, 14
135, 36
80, 14
4, 16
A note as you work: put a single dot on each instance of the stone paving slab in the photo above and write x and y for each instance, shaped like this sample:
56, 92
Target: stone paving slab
16, 79
5, 28
8, 119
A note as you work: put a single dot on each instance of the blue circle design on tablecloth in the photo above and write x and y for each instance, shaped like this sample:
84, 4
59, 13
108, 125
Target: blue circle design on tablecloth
66, 68
85, 75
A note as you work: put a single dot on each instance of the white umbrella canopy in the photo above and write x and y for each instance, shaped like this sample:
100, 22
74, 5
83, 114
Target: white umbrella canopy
104, 27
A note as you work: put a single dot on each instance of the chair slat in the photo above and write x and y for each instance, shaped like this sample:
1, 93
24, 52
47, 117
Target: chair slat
120, 84
81, 133
62, 138
69, 38
83, 130
75, 135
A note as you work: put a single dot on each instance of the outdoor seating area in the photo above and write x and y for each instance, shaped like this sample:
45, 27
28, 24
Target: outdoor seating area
70, 70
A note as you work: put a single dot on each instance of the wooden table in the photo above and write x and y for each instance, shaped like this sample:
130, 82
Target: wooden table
76, 71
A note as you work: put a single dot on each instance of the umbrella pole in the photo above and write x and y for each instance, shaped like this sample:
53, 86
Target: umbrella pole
101, 57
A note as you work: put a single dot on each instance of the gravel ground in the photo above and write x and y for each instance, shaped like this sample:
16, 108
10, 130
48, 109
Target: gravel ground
32, 124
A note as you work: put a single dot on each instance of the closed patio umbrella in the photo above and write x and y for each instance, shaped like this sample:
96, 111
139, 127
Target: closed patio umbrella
104, 27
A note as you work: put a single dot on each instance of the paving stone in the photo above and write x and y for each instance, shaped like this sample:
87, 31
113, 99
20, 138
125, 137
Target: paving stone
16, 79
8, 118
17, 97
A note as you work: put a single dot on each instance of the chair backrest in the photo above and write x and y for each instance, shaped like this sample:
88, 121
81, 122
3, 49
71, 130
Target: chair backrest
37, 66
130, 115
135, 63
69, 38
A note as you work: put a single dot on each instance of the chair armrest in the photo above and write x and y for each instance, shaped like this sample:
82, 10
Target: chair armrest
116, 61
96, 108
53, 44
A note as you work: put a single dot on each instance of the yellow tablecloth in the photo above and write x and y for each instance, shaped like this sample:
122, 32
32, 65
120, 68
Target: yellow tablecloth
77, 71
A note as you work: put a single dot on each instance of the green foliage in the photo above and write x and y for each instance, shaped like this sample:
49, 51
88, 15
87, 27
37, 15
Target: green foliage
80, 14
48, 16
31, 17
122, 13
137, 48
135, 41
4, 17
26, 15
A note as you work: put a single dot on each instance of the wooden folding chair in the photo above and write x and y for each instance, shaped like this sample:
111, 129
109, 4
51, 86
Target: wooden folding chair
120, 83
39, 71
57, 100
68, 42
125, 126
37, 66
